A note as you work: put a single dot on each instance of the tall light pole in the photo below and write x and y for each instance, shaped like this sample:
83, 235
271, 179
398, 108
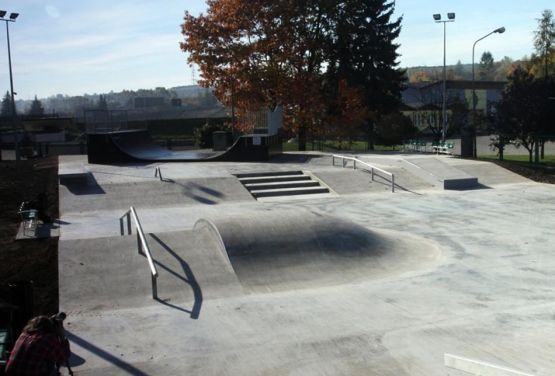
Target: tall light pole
437, 19
500, 30
12, 18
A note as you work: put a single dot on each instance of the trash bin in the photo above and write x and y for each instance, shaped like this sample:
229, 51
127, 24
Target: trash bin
219, 139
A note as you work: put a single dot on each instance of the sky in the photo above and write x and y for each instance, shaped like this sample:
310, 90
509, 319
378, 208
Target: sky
85, 47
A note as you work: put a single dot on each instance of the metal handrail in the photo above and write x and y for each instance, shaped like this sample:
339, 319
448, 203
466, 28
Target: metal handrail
372, 168
142, 245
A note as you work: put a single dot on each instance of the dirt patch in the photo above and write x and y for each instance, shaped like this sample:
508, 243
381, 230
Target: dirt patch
30, 260
540, 174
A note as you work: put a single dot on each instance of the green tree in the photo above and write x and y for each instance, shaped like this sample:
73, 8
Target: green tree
544, 38
102, 104
525, 111
503, 69
393, 128
458, 71
36, 108
486, 68
263, 53
364, 53
7, 106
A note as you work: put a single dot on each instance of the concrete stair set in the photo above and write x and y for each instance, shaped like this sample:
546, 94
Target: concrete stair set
280, 183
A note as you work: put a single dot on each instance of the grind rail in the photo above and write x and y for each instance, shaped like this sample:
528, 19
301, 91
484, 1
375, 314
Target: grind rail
142, 245
344, 160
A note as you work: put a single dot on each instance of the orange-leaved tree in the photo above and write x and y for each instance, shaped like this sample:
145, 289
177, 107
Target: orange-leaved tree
258, 54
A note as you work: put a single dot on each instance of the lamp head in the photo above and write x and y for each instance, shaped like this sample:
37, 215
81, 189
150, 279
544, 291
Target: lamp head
501, 30
437, 17
451, 16
13, 16
2, 13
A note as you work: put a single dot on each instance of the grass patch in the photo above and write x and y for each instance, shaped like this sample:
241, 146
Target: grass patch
332, 146
549, 160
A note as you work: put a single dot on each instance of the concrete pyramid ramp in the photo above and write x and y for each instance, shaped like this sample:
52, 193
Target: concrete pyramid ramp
290, 249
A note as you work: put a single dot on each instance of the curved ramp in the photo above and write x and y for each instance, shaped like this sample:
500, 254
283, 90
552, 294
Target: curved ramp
288, 249
138, 146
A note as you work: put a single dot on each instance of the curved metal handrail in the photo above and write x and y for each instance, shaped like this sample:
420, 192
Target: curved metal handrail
372, 168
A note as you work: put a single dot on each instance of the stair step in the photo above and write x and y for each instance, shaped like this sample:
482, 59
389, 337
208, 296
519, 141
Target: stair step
285, 184
288, 191
270, 179
270, 173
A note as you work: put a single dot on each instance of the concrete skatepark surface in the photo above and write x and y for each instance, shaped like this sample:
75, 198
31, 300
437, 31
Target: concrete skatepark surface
360, 281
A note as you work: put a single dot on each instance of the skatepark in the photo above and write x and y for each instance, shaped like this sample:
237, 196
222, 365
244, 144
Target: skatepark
353, 279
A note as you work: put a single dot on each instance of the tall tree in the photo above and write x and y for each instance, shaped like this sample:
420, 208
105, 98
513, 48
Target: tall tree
544, 38
364, 53
292, 53
525, 112
36, 108
486, 68
7, 106
102, 104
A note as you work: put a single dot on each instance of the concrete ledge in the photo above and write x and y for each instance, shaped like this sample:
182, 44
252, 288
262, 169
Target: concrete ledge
476, 367
460, 183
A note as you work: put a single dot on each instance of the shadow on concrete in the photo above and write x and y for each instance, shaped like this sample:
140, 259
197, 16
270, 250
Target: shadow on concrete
189, 279
85, 185
476, 187
384, 181
124, 366
293, 158
194, 191
75, 360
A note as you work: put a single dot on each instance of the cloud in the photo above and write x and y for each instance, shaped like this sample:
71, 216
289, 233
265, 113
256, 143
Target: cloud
52, 11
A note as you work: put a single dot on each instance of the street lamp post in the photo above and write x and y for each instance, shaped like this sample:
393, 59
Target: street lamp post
500, 30
437, 19
12, 18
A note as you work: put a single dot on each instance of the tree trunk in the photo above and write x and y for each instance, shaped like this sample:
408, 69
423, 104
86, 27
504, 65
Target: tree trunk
302, 137
370, 136
536, 151
501, 147
542, 156
530, 159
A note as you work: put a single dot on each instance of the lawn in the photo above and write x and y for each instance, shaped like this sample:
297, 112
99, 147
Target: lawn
549, 160
336, 146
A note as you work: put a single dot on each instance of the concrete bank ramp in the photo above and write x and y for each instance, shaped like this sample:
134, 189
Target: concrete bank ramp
438, 173
108, 273
289, 249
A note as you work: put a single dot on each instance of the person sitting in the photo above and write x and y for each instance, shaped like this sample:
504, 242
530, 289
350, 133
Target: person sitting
39, 350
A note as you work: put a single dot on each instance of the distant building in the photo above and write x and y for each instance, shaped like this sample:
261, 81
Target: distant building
147, 102
176, 102
423, 102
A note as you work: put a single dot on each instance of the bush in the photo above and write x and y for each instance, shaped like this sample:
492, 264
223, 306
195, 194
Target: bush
392, 129
203, 135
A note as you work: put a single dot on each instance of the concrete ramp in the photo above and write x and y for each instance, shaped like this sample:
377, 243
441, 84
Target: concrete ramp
291, 249
108, 273
438, 173
258, 251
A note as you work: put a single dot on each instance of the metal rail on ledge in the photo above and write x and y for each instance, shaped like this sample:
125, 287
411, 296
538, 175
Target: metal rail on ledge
142, 245
344, 160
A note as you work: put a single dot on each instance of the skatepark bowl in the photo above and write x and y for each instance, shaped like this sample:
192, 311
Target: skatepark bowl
356, 280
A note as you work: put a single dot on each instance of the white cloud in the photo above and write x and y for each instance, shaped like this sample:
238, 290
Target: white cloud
52, 11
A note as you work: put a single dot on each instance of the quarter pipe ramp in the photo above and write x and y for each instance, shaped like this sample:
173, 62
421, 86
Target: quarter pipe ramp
138, 146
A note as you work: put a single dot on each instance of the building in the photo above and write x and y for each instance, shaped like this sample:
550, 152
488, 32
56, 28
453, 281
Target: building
422, 102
